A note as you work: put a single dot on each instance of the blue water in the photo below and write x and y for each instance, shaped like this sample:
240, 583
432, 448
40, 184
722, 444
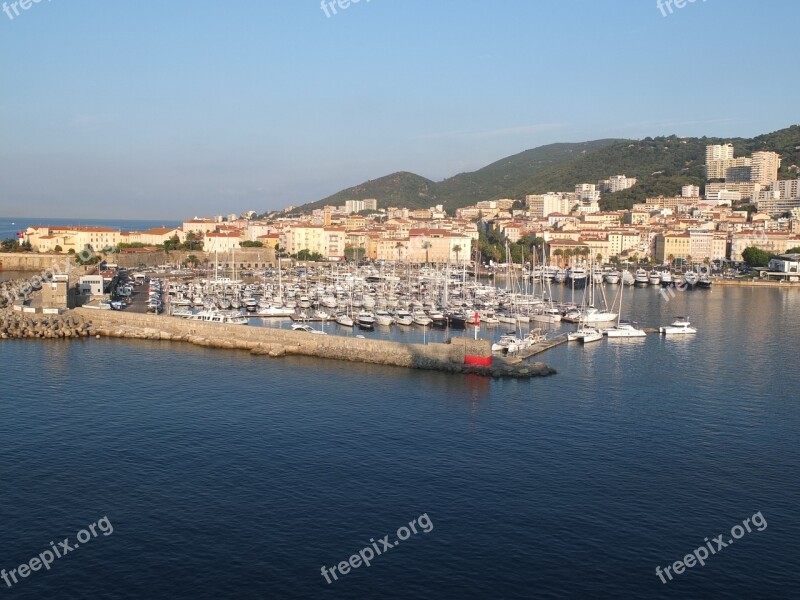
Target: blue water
231, 476
9, 226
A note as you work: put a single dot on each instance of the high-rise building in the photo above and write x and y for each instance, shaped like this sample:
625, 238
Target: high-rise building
765, 167
788, 188
719, 152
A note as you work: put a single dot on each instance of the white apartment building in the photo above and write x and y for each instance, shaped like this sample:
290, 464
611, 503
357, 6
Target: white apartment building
690, 191
765, 167
542, 205
788, 188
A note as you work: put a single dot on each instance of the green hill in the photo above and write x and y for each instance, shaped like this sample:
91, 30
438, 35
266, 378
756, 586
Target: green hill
662, 165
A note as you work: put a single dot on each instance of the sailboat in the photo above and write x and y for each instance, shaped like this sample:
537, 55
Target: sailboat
624, 329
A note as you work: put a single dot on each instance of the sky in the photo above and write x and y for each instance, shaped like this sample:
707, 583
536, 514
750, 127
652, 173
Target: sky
173, 109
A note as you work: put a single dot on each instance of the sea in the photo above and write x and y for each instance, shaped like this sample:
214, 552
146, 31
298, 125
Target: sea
216, 474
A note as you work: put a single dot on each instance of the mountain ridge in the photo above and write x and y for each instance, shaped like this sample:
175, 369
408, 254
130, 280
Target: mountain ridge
662, 164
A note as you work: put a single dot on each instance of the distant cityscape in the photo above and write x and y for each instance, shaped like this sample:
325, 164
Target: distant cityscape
744, 205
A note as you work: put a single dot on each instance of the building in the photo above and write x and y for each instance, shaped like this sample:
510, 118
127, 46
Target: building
772, 242
738, 174
788, 188
221, 242
690, 191
542, 205
617, 183
50, 239
765, 167
785, 263
746, 190
199, 226
718, 158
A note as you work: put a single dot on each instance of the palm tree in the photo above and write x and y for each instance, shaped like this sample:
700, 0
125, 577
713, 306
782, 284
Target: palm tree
689, 259
568, 253
671, 259
399, 246
599, 258
457, 250
426, 245
191, 260
559, 253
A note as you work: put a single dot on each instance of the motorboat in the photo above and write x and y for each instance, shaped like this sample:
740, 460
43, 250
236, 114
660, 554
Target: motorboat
307, 329
220, 317
404, 318
612, 277
383, 318
366, 320
420, 318
690, 278
654, 278
666, 278
704, 282
640, 277
679, 326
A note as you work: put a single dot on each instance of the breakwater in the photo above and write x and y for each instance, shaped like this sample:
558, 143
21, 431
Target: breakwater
18, 325
449, 357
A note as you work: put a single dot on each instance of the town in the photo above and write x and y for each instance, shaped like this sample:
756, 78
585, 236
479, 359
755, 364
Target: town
744, 206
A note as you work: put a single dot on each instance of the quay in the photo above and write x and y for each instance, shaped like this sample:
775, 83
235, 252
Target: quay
458, 355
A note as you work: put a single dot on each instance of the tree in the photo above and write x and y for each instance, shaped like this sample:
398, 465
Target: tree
671, 259
280, 251
249, 244
9, 245
457, 249
689, 259
399, 246
756, 257
559, 253
58, 249
795, 250
192, 260
426, 245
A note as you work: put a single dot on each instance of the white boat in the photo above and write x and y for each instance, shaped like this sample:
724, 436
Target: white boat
591, 335
275, 311
508, 344
679, 326
654, 278
344, 320
220, 317
666, 278
584, 330
624, 329
690, 278
307, 329
420, 318
402, 317
383, 318
612, 277
546, 315
640, 277
366, 320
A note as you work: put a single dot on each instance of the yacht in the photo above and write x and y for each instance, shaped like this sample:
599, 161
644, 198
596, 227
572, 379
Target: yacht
403, 317
584, 331
612, 277
457, 319
577, 276
624, 329
666, 278
420, 318
654, 278
627, 278
640, 277
383, 318
679, 326
307, 329
508, 344
704, 282
690, 278
216, 316
366, 320
344, 320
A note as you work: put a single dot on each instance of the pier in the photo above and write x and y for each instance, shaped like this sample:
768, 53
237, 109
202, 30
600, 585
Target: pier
451, 356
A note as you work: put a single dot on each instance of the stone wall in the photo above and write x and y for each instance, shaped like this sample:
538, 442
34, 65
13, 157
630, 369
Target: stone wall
291, 342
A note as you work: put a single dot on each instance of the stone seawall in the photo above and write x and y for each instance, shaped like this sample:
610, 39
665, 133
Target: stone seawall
276, 342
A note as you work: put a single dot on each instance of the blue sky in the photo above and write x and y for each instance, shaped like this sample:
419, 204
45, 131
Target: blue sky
170, 109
